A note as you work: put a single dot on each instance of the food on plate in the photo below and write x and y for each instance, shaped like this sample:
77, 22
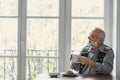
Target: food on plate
69, 72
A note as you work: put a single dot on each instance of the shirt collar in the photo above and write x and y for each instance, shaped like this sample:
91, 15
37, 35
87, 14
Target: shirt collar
101, 47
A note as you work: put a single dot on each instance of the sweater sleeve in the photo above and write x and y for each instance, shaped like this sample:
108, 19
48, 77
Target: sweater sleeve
107, 65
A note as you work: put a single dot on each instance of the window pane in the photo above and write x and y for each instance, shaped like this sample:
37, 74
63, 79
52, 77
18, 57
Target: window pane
42, 34
8, 7
8, 47
42, 46
81, 29
8, 37
40, 65
43, 7
8, 69
88, 8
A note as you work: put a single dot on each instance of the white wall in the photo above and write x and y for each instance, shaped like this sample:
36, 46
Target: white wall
118, 40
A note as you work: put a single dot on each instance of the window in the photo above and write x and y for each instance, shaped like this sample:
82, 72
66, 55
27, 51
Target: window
84, 18
37, 36
42, 37
8, 39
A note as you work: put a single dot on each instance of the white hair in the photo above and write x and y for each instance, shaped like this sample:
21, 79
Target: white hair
101, 33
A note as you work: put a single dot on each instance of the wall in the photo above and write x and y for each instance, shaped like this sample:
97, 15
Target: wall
118, 39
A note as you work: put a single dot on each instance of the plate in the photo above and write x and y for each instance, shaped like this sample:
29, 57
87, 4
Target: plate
70, 75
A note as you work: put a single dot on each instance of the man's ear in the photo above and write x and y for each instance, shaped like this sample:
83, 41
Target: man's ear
100, 41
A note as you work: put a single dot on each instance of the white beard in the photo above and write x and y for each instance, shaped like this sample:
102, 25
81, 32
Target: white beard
94, 44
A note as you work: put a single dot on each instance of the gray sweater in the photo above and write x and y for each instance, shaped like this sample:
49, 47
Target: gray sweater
104, 64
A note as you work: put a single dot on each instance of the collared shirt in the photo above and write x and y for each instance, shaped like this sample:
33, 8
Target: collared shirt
103, 68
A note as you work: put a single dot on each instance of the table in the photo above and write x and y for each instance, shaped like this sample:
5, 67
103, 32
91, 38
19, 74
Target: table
43, 76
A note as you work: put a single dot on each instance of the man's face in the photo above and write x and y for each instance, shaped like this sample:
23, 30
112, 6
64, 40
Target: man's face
93, 38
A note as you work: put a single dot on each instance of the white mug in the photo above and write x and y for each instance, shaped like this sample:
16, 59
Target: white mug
75, 58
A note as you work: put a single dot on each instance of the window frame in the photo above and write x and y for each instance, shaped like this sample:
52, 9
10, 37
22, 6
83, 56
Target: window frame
22, 20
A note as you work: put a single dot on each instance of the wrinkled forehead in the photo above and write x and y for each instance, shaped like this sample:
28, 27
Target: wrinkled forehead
95, 33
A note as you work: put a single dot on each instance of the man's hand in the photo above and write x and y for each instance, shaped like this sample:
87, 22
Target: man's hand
84, 60
87, 61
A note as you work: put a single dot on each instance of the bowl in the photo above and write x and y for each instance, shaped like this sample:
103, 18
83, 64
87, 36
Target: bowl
54, 74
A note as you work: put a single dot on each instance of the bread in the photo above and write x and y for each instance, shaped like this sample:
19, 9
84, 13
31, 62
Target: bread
69, 72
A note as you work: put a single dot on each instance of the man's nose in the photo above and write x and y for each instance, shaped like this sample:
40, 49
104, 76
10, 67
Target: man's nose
89, 37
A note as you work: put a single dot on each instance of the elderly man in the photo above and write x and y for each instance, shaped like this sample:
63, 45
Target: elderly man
95, 57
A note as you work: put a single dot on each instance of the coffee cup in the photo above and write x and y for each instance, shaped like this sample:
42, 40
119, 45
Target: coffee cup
75, 58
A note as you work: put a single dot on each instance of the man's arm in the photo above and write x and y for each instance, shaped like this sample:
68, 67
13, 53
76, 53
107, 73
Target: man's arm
87, 61
105, 67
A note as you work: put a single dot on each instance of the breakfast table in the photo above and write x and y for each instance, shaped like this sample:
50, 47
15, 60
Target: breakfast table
44, 76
